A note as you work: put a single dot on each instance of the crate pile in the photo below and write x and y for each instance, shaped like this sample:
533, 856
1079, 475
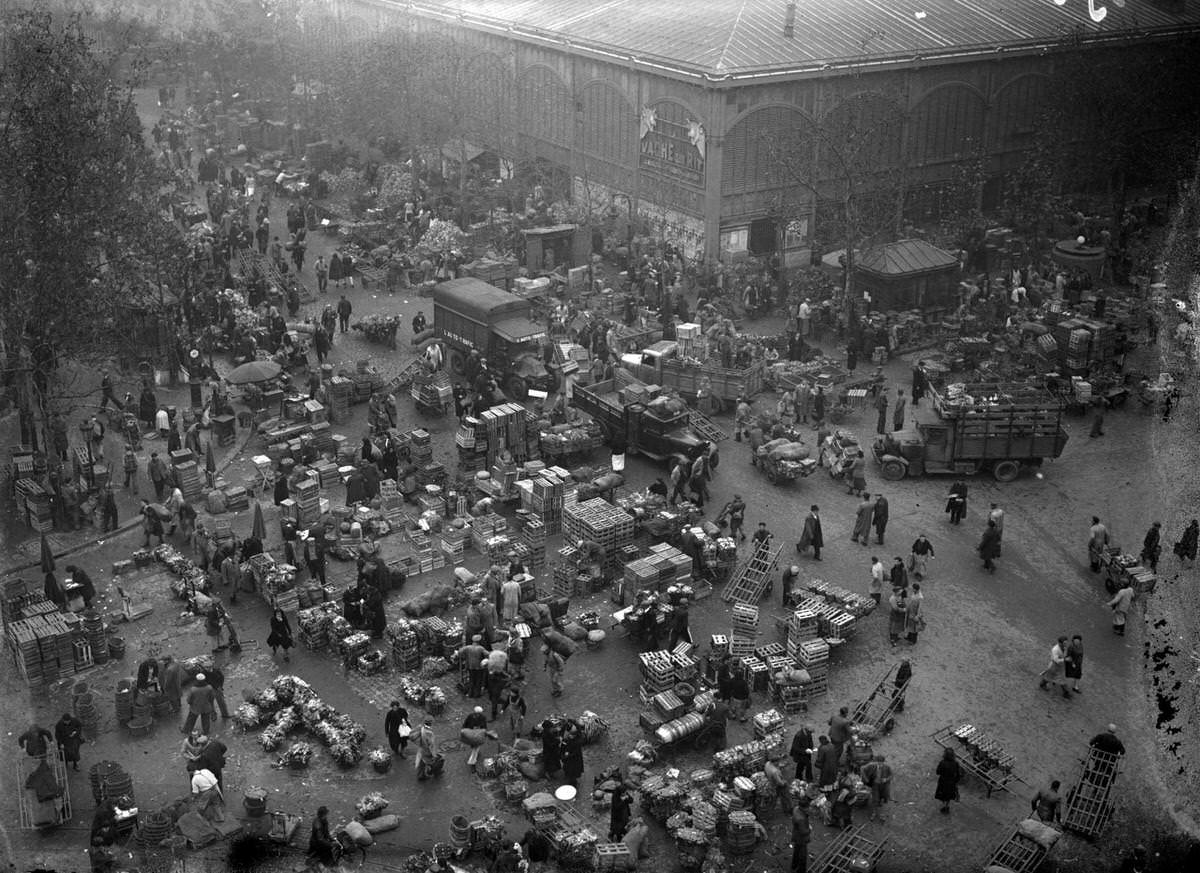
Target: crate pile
546, 495
691, 340
341, 396
187, 474
42, 643
1083, 343
744, 632
663, 567
658, 675
36, 502
601, 522
857, 605
307, 495
391, 503
487, 528
366, 380
813, 658
471, 442
431, 389
505, 428
533, 536
454, 543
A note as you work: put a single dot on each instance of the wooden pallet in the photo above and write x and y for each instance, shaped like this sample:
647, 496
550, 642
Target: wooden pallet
980, 755
705, 426
28, 805
1018, 853
751, 578
1088, 805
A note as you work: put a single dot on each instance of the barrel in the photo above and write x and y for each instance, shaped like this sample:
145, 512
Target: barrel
254, 801
86, 700
686, 692
460, 832
156, 827
116, 648
124, 705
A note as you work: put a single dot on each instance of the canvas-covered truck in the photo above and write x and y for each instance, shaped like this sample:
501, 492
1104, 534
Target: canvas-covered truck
663, 364
656, 427
471, 315
977, 428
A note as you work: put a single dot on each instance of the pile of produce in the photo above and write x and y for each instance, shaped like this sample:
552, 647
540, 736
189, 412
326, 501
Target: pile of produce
371, 805
298, 755
442, 236
291, 704
566, 439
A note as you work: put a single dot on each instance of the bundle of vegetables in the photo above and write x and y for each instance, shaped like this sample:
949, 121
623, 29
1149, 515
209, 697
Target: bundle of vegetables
372, 805
375, 757
346, 752
297, 755
412, 690
271, 738
788, 451
344, 181
432, 668
248, 716
396, 186
292, 689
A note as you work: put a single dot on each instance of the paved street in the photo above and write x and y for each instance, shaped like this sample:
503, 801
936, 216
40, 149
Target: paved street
988, 637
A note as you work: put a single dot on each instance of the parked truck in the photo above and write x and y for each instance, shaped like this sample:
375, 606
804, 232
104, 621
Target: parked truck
656, 430
662, 364
974, 428
471, 315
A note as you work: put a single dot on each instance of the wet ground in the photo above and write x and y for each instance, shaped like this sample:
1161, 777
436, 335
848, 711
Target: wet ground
988, 637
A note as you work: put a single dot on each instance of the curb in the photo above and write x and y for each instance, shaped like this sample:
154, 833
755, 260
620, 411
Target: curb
128, 525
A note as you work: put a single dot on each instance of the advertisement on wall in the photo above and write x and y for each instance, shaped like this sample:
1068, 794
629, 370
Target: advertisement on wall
673, 144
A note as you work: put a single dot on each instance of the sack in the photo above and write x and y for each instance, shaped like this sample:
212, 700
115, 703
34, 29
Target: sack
404, 731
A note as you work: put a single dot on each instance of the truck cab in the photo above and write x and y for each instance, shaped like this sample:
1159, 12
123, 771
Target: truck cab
926, 448
657, 437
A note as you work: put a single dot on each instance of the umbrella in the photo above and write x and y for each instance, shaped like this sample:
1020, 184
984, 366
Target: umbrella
254, 371
47, 557
258, 529
210, 464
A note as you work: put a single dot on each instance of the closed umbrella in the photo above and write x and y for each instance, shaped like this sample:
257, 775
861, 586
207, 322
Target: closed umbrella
254, 371
47, 556
210, 465
259, 528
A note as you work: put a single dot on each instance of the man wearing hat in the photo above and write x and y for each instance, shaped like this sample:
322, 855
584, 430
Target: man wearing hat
475, 657
801, 834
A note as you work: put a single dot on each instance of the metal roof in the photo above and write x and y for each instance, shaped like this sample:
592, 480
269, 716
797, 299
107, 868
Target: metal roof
736, 38
905, 258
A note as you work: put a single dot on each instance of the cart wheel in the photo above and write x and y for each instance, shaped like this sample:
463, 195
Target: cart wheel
893, 471
1006, 471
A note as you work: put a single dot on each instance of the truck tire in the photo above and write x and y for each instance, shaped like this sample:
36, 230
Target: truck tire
893, 471
1006, 471
516, 388
458, 363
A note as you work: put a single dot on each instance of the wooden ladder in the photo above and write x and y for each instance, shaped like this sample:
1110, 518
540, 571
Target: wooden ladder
705, 426
751, 578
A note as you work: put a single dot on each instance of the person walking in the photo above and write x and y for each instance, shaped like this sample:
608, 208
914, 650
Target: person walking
735, 512
949, 774
897, 615
679, 477
1152, 546
989, 547
280, 636
818, 407
914, 621
879, 518
761, 541
839, 731
996, 514
1073, 665
201, 701
475, 656
130, 464
788, 582
739, 693
322, 270
343, 311
320, 840
899, 411
572, 756
1185, 549
918, 559
920, 383
881, 410
68, 733
811, 535
216, 678
956, 502
397, 728
801, 834
516, 708
878, 574
862, 521
827, 764
171, 679
1097, 542
427, 754
898, 575
158, 475
619, 813
108, 393
680, 630
555, 664
1055, 672
474, 728
857, 474
877, 775
802, 751
1119, 605
1047, 804
778, 781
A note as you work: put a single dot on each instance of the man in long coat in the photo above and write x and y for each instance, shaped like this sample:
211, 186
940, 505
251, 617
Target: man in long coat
812, 536
862, 521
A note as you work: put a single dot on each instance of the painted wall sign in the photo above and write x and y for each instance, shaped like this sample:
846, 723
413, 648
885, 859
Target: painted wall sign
672, 144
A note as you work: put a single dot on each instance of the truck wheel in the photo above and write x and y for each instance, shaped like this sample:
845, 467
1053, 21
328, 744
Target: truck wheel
458, 363
516, 389
893, 471
1006, 471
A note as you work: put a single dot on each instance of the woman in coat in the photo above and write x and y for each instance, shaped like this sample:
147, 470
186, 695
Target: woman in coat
1120, 604
147, 407
1073, 666
949, 774
912, 619
280, 635
898, 616
1186, 547
619, 818
989, 546
337, 273
572, 757
956, 501
68, 733
426, 751
551, 749
862, 521
858, 475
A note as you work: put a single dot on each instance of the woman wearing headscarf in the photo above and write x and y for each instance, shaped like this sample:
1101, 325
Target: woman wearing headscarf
280, 635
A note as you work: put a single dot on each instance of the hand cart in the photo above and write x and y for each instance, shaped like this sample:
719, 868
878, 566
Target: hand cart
850, 852
1019, 853
979, 754
880, 706
1088, 806
40, 815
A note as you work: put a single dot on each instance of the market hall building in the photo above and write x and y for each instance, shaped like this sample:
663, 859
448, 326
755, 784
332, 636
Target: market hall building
674, 109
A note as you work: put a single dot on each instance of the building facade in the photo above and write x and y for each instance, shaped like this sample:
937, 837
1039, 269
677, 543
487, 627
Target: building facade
686, 127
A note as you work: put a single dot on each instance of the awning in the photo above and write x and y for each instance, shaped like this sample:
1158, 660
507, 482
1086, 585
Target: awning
518, 330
